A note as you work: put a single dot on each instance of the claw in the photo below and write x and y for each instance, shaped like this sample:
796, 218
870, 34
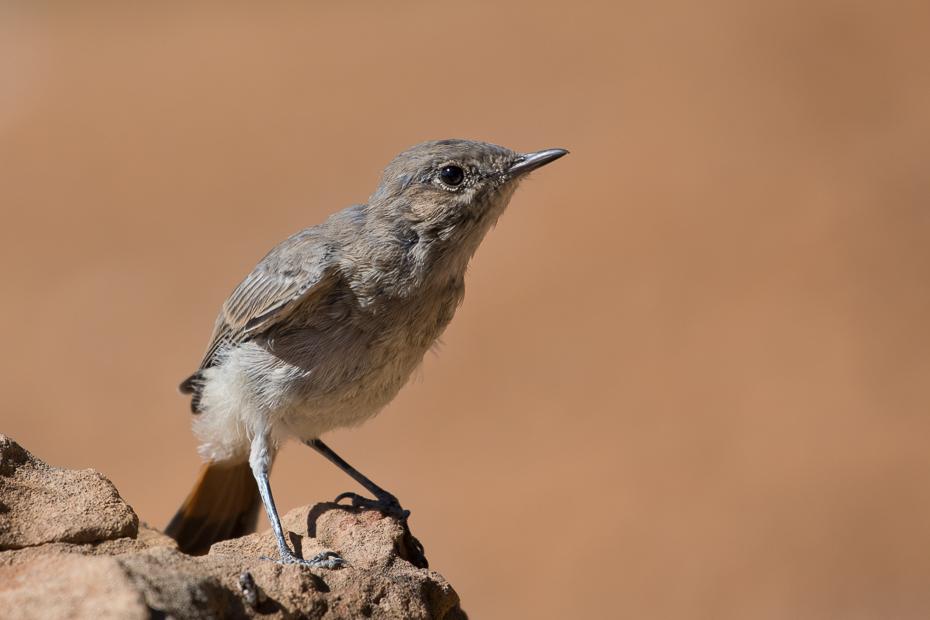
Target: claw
327, 559
389, 505
343, 496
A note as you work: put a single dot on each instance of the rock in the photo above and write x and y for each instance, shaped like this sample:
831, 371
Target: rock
381, 582
141, 574
70, 586
41, 504
148, 538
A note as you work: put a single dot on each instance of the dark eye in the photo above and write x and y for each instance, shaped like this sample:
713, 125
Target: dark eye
452, 176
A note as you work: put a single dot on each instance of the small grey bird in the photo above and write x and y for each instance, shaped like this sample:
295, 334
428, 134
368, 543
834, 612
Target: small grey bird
331, 324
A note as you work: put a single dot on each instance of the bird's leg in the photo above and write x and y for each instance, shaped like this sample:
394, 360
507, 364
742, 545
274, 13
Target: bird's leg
385, 501
260, 461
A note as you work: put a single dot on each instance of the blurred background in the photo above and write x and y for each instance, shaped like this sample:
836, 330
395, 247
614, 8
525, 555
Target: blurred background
691, 376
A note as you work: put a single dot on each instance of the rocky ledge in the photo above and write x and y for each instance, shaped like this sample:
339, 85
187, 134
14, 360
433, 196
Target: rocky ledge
70, 547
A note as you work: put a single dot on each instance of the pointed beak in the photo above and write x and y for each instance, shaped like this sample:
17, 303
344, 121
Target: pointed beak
532, 161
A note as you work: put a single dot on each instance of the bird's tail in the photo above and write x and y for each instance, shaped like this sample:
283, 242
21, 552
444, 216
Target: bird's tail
223, 504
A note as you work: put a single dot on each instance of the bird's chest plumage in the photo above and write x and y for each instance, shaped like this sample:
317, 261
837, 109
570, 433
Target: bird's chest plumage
341, 360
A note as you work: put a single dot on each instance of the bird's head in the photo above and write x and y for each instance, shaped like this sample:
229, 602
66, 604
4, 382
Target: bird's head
442, 197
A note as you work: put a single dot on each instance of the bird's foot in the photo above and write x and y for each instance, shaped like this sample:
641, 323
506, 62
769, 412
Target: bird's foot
386, 503
327, 559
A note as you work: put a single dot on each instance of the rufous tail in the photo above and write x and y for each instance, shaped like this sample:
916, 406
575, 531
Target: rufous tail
223, 504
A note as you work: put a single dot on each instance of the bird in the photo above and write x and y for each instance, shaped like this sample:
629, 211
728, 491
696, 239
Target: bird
330, 325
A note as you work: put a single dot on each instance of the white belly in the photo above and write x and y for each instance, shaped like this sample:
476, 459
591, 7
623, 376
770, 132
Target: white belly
259, 389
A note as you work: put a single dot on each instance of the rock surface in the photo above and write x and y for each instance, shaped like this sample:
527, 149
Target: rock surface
73, 549
41, 504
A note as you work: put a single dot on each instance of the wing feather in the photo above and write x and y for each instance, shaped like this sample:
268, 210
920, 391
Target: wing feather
295, 269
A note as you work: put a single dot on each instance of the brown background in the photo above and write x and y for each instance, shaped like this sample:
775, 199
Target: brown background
691, 377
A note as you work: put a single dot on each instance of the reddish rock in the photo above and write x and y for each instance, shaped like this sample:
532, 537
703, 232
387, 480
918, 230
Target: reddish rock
100, 563
41, 504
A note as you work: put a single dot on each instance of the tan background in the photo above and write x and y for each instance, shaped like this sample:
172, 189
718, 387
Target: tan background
691, 377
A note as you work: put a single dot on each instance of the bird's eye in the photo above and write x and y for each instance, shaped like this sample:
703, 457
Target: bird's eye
452, 176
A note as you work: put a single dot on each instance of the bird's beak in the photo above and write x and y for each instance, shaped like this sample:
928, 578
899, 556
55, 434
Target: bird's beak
532, 161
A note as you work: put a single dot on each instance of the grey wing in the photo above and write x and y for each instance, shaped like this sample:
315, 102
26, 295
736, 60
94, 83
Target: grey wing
296, 269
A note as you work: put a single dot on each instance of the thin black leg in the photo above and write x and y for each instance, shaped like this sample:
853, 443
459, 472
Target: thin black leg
385, 501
